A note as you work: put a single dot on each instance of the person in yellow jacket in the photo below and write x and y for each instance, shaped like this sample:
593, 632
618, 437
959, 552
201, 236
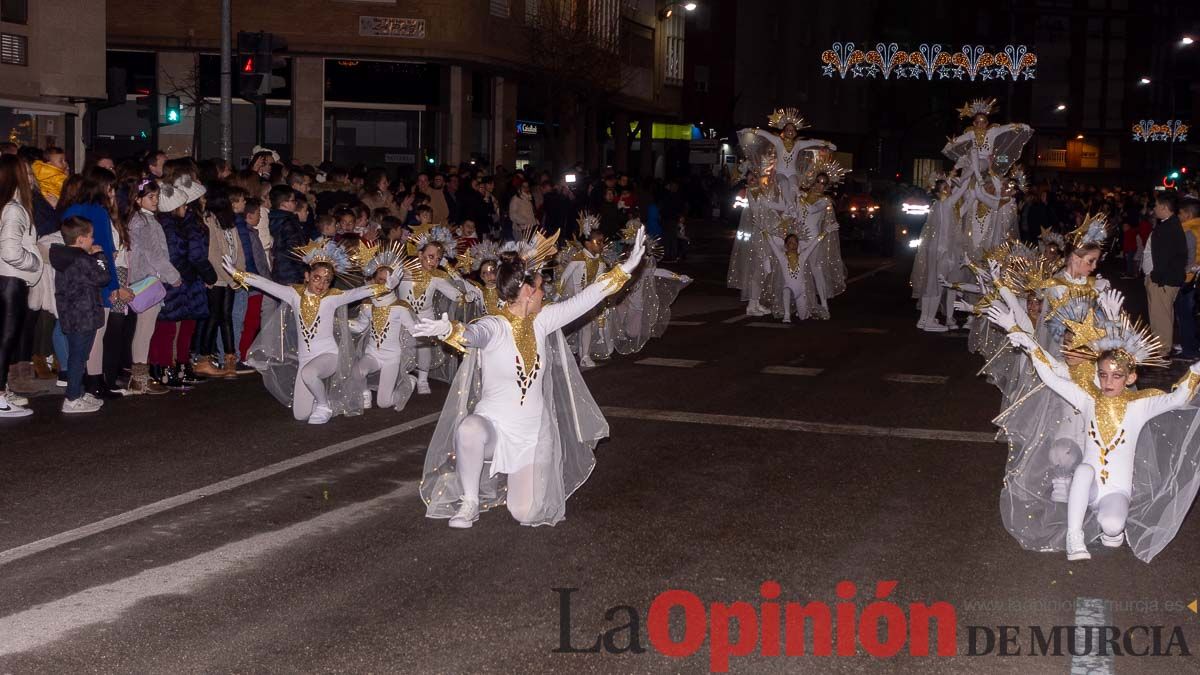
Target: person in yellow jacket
51, 174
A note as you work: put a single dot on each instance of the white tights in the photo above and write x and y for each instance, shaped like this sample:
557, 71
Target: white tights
388, 374
929, 306
1111, 512
475, 443
424, 360
313, 376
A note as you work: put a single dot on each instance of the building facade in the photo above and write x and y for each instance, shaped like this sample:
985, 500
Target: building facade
398, 82
41, 76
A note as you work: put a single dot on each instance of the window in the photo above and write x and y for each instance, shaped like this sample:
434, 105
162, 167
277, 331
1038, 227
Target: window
674, 31
14, 49
500, 8
14, 11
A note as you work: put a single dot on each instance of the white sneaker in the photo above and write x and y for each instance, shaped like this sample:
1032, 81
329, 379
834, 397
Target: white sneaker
787, 319
320, 414
98, 402
366, 399
423, 386
62, 384
466, 515
1076, 547
921, 324
757, 309
935, 327
10, 409
1112, 542
585, 362
79, 405
16, 399
1060, 489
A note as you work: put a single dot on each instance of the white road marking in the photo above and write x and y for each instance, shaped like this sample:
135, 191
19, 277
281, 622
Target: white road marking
792, 370
869, 331
52, 621
916, 379
686, 323
797, 425
1091, 612
169, 503
869, 273
669, 363
735, 319
763, 324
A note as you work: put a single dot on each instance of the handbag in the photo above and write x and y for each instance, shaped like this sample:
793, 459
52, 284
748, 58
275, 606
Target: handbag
147, 293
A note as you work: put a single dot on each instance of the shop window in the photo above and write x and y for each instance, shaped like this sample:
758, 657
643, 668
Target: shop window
14, 11
14, 49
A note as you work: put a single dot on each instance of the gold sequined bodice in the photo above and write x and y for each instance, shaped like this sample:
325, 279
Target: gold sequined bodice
310, 307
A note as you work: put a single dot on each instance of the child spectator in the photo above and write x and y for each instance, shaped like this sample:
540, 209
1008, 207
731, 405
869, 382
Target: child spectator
51, 174
81, 272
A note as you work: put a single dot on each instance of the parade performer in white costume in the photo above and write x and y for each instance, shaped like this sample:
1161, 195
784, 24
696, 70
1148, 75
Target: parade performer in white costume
819, 224
308, 340
793, 155
387, 349
642, 309
939, 253
519, 426
421, 291
1134, 481
580, 266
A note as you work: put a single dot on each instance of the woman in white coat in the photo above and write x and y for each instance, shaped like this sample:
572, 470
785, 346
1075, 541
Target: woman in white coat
20, 268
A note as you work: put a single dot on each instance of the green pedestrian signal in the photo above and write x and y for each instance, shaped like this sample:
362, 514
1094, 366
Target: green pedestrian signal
173, 112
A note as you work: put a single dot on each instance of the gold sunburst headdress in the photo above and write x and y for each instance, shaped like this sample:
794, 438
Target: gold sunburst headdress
371, 257
587, 222
1130, 343
537, 251
1094, 230
781, 117
830, 167
326, 253
980, 106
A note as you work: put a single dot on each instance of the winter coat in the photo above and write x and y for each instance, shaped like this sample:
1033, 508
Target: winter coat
148, 250
79, 278
520, 211
187, 244
41, 296
286, 235
221, 243
102, 234
1168, 251
256, 261
18, 245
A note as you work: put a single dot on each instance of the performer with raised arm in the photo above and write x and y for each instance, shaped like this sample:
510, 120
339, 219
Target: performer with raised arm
583, 264
519, 425
793, 155
939, 253
820, 225
308, 340
387, 347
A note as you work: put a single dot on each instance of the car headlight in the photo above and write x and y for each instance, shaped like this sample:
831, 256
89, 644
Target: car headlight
914, 243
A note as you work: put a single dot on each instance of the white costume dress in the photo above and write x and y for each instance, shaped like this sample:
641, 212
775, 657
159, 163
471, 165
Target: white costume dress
422, 297
386, 349
789, 165
796, 286
825, 262
592, 336
520, 377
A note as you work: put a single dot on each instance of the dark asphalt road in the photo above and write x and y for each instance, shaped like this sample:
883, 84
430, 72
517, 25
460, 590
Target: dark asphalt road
330, 566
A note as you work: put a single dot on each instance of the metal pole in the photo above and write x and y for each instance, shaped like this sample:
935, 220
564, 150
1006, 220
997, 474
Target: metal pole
226, 81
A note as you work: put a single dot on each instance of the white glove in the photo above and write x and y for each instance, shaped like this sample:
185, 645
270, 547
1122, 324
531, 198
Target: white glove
942, 281
1001, 315
1110, 302
963, 306
685, 279
1195, 368
436, 328
395, 277
227, 265
635, 253
994, 268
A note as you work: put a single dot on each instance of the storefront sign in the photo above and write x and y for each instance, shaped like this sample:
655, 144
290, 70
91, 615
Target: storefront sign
399, 158
529, 129
388, 26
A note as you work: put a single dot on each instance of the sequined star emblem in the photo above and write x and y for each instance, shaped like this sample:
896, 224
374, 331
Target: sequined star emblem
1084, 332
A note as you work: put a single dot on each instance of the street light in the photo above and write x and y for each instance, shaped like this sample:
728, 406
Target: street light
669, 9
1079, 137
1187, 40
1144, 80
690, 6
1061, 107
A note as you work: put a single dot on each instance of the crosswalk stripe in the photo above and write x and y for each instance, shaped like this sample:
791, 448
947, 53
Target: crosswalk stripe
792, 370
669, 363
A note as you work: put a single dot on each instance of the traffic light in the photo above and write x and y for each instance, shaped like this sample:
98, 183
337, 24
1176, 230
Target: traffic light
1174, 175
173, 113
147, 106
256, 59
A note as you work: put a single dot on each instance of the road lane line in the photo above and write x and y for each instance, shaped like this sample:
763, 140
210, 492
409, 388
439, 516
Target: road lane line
46, 623
169, 503
797, 425
669, 363
869, 273
916, 379
735, 319
1089, 613
792, 370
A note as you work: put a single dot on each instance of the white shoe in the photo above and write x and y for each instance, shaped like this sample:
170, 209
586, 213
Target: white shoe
921, 324
79, 405
1112, 542
935, 327
320, 414
423, 387
10, 409
1076, 547
60, 383
585, 362
1060, 489
466, 515
98, 402
366, 399
16, 399
787, 319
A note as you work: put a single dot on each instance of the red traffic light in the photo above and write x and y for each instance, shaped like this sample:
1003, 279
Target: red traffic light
248, 67
1183, 169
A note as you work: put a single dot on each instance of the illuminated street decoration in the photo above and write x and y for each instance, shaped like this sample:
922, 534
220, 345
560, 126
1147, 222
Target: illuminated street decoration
1149, 130
929, 61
